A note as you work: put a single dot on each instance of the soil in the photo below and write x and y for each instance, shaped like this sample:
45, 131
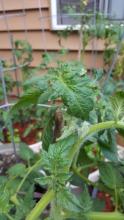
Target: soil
6, 161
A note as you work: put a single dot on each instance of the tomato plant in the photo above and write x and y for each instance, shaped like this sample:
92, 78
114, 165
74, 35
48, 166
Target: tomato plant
87, 121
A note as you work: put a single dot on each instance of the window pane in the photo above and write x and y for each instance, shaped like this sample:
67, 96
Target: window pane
69, 11
66, 7
116, 9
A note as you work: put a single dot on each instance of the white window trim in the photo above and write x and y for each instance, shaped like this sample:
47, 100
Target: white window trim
55, 25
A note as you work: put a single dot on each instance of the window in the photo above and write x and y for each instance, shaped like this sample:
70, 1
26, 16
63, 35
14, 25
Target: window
66, 13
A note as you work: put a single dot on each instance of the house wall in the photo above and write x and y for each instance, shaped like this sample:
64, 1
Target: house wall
26, 21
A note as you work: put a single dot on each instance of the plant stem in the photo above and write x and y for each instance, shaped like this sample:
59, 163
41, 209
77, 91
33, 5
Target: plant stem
84, 178
48, 197
87, 166
14, 197
116, 199
105, 216
93, 129
41, 205
27, 174
9, 217
100, 216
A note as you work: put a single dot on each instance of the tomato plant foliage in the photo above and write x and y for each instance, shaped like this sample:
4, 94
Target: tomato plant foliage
74, 104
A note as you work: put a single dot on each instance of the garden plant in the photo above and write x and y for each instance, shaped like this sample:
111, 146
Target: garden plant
80, 117
79, 136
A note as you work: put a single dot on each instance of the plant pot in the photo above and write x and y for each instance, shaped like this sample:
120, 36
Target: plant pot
109, 207
19, 132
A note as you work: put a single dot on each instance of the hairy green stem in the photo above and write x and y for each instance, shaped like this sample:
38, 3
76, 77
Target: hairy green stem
48, 197
84, 178
41, 205
92, 130
27, 174
81, 168
105, 216
14, 197
100, 216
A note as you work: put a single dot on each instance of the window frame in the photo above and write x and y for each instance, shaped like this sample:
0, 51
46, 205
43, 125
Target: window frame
56, 26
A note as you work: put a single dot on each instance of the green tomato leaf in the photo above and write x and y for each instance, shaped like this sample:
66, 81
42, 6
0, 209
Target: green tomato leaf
85, 200
17, 170
47, 135
26, 204
29, 98
44, 180
4, 202
25, 152
74, 89
3, 217
98, 204
117, 103
110, 175
68, 201
108, 145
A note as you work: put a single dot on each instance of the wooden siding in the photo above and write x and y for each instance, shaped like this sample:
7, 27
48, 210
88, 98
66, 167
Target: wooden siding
49, 41
31, 21
89, 60
14, 5
39, 33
